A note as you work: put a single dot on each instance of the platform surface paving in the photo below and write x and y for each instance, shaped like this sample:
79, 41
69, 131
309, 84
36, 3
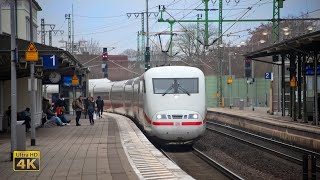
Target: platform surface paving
74, 152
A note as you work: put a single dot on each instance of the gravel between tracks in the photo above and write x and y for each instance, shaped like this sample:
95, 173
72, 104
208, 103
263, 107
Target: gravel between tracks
245, 160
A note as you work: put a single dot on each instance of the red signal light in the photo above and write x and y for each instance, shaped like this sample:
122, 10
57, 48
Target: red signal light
105, 56
248, 60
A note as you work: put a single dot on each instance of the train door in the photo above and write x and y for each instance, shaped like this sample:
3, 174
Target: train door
141, 115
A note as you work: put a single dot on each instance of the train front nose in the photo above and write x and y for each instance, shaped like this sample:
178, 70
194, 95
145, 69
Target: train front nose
178, 125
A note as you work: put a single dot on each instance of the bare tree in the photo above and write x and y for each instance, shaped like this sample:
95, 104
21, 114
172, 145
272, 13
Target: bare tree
131, 53
90, 47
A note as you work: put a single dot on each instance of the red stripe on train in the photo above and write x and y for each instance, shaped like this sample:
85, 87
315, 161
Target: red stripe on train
191, 123
147, 118
162, 123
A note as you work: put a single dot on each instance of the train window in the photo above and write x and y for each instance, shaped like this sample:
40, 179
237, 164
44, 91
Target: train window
175, 85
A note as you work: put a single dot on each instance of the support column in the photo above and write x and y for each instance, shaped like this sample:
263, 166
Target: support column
315, 59
299, 86
33, 85
1, 105
293, 88
0, 20
13, 79
305, 118
283, 84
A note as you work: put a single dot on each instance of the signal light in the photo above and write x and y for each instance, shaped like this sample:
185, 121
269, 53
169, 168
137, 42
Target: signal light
105, 56
248, 68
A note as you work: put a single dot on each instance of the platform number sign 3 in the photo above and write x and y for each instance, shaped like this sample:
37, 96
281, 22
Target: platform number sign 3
50, 62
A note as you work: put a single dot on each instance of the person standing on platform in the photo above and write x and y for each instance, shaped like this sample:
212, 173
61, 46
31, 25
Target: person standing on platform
100, 105
78, 107
90, 110
86, 107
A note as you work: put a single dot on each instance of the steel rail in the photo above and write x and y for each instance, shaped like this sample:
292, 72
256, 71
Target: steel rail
296, 148
217, 165
263, 148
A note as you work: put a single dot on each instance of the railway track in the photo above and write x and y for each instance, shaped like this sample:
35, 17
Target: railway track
286, 151
197, 164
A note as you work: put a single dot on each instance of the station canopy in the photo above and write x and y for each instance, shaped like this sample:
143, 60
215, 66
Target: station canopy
305, 44
67, 64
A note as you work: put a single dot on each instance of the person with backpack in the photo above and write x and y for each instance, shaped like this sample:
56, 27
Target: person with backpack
90, 110
100, 105
77, 105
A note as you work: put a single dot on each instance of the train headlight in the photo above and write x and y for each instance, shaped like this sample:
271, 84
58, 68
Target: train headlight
161, 116
193, 116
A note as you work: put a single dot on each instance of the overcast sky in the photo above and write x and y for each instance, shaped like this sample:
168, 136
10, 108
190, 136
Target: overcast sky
106, 21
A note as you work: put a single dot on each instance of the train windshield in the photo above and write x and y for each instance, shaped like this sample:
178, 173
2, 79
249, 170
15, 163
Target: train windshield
175, 86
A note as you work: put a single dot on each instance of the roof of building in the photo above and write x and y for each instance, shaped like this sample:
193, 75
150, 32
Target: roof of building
37, 5
67, 60
303, 44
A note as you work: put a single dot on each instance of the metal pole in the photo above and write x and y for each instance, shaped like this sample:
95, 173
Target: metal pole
43, 35
253, 82
1, 98
230, 104
207, 23
33, 92
315, 59
50, 38
305, 118
13, 80
291, 88
147, 54
72, 32
283, 85
0, 20
299, 86
147, 14
279, 90
171, 34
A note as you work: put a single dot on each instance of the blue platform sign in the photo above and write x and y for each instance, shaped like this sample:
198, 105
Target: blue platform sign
267, 75
50, 62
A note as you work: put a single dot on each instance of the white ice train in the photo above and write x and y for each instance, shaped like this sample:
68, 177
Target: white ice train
168, 102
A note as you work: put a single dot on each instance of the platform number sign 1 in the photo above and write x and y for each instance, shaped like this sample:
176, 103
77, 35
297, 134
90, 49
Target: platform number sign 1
268, 75
50, 62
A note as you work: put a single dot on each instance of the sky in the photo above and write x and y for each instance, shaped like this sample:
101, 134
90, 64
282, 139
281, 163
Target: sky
106, 21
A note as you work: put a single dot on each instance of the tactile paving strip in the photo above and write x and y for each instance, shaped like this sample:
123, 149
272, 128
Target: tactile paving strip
147, 161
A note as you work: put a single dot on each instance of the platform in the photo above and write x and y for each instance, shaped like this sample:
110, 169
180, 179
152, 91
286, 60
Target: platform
113, 148
275, 126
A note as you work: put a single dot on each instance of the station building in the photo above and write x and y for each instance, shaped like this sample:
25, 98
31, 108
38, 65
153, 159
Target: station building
67, 65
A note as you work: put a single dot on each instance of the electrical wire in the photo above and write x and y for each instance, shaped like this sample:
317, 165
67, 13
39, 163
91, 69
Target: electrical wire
99, 17
109, 30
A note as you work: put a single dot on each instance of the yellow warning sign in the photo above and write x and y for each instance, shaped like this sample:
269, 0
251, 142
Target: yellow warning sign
230, 80
75, 80
293, 82
32, 53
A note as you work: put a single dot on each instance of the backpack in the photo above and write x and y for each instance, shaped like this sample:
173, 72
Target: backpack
99, 103
74, 104
59, 111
